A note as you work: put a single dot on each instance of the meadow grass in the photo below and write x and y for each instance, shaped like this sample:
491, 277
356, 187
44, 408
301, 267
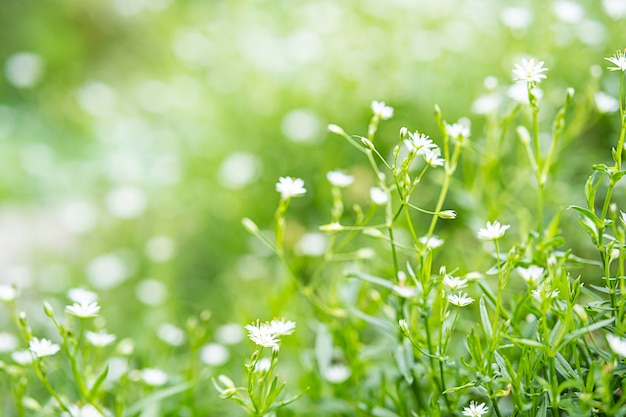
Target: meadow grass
394, 306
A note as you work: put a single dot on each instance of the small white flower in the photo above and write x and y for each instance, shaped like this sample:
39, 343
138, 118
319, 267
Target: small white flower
100, 339
531, 275
457, 130
519, 93
493, 231
379, 196
153, 376
529, 70
542, 293
282, 327
405, 291
82, 296
619, 60
475, 409
460, 299
7, 293
43, 347
433, 157
617, 344
622, 216
454, 283
419, 142
83, 310
381, 110
339, 179
431, 242
22, 357
290, 187
262, 335
214, 354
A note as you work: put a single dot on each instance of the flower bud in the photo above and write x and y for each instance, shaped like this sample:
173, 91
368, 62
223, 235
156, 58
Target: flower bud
404, 326
250, 226
447, 214
331, 227
523, 134
48, 310
336, 129
368, 143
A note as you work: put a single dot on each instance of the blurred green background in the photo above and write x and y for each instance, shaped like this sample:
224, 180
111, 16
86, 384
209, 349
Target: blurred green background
135, 134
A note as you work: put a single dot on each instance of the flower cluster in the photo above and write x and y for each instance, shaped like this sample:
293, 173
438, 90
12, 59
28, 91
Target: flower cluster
268, 334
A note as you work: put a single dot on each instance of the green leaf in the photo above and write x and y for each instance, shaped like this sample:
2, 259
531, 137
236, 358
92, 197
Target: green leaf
155, 397
404, 359
98, 383
373, 280
486, 321
564, 368
374, 321
590, 215
502, 365
529, 343
587, 329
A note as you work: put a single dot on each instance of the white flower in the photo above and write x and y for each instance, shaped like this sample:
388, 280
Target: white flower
171, 334
457, 130
378, 196
83, 310
622, 216
606, 103
433, 157
615, 9
43, 347
22, 357
82, 296
100, 339
214, 354
419, 142
619, 60
529, 70
262, 335
339, 178
454, 283
475, 409
519, 93
336, 374
282, 327
7, 293
153, 376
263, 365
8, 342
431, 242
531, 275
543, 293
493, 231
381, 110
290, 187
617, 344
87, 410
460, 299
405, 291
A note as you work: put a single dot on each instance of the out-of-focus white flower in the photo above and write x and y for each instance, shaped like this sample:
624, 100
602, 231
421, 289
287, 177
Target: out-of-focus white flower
171, 334
82, 296
339, 179
457, 130
22, 357
153, 376
381, 110
7, 293
43, 347
493, 231
617, 344
337, 373
519, 93
431, 242
282, 327
606, 103
99, 339
529, 70
86, 410
8, 342
615, 8
542, 293
290, 187
378, 196
214, 354
263, 365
